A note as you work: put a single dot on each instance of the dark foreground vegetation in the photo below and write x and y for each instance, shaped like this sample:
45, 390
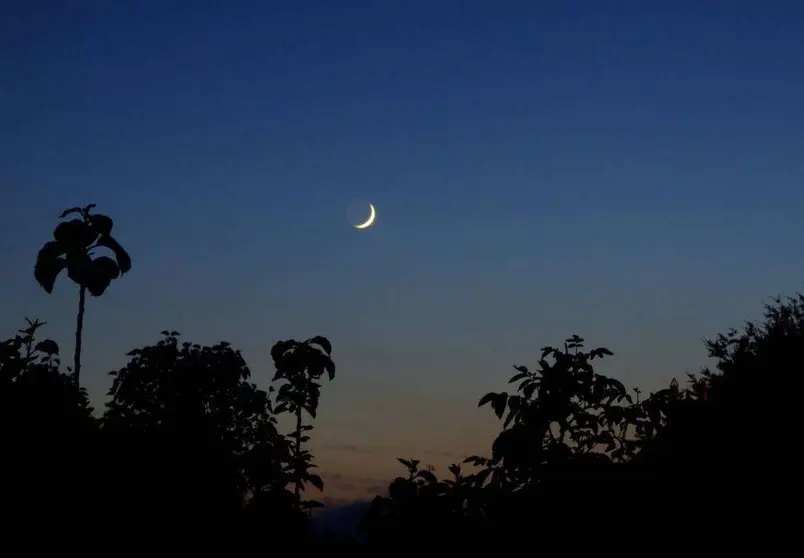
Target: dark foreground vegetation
188, 453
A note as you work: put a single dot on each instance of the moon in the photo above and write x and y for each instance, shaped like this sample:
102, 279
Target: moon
370, 221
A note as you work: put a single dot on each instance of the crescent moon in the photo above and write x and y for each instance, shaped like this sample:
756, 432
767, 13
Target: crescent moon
370, 221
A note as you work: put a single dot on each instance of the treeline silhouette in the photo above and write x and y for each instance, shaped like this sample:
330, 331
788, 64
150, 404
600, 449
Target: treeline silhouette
188, 452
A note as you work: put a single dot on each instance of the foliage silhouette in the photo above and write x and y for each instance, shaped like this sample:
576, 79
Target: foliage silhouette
573, 439
187, 443
727, 436
569, 437
563, 430
182, 416
72, 249
195, 409
46, 431
299, 367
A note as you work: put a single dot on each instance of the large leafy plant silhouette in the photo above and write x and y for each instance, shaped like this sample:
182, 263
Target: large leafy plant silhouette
737, 418
33, 391
195, 410
46, 428
562, 413
300, 366
565, 429
73, 249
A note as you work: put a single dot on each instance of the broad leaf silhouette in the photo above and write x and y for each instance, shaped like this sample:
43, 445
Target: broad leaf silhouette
72, 249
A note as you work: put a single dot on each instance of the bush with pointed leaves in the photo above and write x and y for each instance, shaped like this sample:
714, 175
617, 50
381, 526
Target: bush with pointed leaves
47, 432
194, 410
300, 365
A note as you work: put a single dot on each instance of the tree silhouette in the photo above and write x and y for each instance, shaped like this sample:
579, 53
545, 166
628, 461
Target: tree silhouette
300, 365
192, 410
728, 438
72, 249
183, 416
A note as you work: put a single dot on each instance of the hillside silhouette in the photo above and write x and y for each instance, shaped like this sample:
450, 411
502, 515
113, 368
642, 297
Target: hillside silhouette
188, 450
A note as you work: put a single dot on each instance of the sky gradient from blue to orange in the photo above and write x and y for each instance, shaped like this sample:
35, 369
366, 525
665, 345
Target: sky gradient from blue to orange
629, 171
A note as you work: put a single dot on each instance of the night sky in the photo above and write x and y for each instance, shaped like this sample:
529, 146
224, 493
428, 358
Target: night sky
629, 171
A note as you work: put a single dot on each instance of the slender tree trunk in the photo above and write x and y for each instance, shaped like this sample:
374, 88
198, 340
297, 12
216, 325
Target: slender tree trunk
79, 332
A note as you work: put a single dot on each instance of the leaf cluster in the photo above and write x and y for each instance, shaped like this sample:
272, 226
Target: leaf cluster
300, 366
33, 390
73, 249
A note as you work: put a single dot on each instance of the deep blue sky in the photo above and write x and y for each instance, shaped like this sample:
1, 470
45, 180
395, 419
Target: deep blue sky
629, 171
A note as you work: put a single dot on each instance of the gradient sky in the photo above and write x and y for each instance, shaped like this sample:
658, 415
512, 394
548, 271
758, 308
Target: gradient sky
629, 171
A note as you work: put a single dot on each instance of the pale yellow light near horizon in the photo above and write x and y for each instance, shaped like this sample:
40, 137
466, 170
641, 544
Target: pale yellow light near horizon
370, 221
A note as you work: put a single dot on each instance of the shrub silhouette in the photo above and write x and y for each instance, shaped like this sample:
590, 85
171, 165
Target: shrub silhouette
72, 249
191, 414
579, 457
188, 435
568, 434
46, 431
726, 441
